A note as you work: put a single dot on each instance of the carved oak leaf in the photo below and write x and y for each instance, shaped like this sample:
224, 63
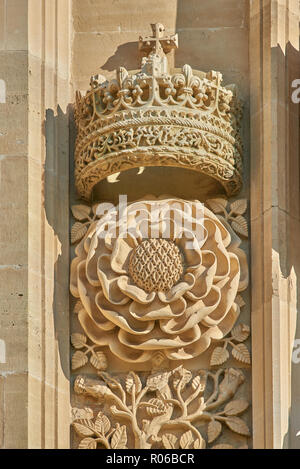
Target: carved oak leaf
236, 407
217, 205
82, 430
133, 380
119, 438
102, 424
239, 206
240, 332
169, 441
239, 300
219, 356
240, 225
186, 440
94, 208
156, 407
181, 375
199, 382
213, 431
99, 361
88, 443
78, 340
237, 425
80, 414
199, 444
81, 212
158, 381
77, 232
79, 359
241, 353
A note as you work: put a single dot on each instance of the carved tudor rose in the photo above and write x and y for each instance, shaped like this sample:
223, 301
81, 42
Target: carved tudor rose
174, 292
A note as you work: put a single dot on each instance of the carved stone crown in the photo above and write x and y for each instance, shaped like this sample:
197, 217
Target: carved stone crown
153, 118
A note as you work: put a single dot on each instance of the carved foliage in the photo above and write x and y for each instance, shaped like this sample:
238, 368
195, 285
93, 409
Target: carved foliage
165, 410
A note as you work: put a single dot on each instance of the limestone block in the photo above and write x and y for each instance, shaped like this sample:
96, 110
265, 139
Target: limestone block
16, 25
123, 15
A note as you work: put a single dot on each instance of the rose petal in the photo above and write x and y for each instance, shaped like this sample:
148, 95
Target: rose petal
157, 309
178, 290
159, 341
134, 292
109, 281
228, 294
119, 315
195, 312
204, 279
122, 251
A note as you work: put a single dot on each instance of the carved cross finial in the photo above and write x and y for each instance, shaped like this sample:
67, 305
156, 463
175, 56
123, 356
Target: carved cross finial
158, 43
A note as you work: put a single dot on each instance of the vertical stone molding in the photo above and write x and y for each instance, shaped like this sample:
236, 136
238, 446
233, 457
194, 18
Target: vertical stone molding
34, 164
274, 64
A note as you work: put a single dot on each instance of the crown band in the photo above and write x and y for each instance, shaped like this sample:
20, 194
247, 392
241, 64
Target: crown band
152, 118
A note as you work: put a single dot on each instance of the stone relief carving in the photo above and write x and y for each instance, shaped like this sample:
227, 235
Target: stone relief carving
175, 293
154, 118
165, 409
158, 281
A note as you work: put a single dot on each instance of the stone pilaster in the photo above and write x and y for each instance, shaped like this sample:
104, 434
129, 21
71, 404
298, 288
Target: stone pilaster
274, 63
34, 371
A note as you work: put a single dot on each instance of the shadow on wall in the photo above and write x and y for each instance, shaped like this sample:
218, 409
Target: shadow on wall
56, 203
126, 56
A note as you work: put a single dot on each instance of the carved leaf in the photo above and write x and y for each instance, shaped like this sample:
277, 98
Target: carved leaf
102, 424
236, 407
241, 332
217, 205
213, 431
79, 359
78, 307
239, 300
119, 438
78, 231
78, 340
241, 353
169, 441
186, 440
80, 414
94, 208
156, 407
199, 444
133, 379
81, 212
219, 356
199, 382
157, 381
99, 361
88, 443
82, 430
239, 224
237, 425
222, 446
182, 375
239, 206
